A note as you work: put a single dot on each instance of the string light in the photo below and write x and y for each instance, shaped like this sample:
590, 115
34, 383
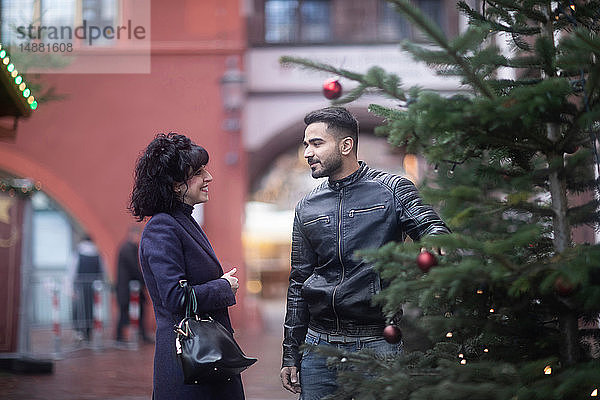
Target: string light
19, 188
486, 350
12, 72
463, 361
594, 393
461, 355
492, 310
479, 291
449, 334
548, 370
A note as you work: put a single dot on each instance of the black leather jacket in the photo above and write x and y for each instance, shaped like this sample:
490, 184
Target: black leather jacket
330, 289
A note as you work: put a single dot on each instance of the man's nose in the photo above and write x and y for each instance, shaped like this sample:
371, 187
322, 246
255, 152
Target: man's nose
308, 152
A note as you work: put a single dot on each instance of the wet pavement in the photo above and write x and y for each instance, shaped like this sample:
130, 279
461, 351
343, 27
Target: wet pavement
117, 373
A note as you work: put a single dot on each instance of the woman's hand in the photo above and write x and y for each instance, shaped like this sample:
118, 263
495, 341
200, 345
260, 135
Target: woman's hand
233, 281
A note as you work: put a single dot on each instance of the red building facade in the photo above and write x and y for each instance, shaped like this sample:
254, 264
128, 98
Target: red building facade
81, 149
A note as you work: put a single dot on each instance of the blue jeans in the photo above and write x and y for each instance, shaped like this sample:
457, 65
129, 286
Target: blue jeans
317, 379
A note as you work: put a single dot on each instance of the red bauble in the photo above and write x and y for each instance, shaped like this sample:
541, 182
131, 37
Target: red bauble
426, 260
563, 287
332, 89
392, 334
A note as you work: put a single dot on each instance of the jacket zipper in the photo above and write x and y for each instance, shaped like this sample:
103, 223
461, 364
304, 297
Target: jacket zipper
337, 319
315, 220
352, 212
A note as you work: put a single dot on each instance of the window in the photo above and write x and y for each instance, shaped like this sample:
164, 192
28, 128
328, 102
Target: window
57, 13
99, 13
306, 21
24, 20
15, 13
393, 25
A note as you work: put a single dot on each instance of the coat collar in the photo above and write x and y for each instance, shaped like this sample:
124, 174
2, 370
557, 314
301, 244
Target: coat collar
350, 179
182, 214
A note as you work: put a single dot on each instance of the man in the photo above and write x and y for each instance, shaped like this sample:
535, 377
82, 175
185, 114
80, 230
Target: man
330, 290
86, 267
128, 269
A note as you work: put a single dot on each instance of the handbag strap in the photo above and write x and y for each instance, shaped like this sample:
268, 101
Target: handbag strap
189, 299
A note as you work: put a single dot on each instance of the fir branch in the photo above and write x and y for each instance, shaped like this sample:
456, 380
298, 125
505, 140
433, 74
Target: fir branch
375, 77
585, 214
438, 37
530, 13
477, 19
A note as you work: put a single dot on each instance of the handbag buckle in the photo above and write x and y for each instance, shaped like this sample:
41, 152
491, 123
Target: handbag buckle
178, 345
179, 328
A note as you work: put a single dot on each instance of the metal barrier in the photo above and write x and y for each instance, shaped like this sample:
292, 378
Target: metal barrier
134, 313
56, 321
61, 318
97, 286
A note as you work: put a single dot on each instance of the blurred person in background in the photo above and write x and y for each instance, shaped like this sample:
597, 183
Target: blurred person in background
170, 178
85, 268
128, 270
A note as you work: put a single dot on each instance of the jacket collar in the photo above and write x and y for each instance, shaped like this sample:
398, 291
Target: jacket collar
350, 179
183, 214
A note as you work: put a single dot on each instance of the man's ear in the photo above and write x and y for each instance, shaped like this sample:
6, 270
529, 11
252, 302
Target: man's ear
346, 145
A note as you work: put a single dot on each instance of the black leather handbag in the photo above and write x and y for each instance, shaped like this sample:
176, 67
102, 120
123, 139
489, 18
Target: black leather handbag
207, 351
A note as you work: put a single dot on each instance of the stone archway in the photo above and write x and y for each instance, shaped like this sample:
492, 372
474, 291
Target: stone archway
22, 166
54, 218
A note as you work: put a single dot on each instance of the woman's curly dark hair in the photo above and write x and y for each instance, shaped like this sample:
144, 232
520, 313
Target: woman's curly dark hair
168, 159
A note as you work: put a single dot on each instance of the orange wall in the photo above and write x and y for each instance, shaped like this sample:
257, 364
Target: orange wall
83, 148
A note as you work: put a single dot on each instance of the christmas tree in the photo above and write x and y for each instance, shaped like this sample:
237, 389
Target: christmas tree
508, 308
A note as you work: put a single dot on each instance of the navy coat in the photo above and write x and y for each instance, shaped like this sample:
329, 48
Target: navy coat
174, 247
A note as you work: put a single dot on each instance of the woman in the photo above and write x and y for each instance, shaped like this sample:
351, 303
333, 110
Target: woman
170, 177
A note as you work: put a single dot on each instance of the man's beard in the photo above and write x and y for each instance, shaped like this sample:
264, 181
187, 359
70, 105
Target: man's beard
329, 166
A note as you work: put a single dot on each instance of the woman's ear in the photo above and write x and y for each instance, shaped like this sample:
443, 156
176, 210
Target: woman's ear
346, 145
177, 187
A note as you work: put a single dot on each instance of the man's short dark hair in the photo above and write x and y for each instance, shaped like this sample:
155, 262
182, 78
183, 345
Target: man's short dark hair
340, 122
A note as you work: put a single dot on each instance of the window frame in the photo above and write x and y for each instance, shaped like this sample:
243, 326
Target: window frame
257, 23
298, 28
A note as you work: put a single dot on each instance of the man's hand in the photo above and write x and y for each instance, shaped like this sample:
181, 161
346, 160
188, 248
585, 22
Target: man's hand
289, 379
